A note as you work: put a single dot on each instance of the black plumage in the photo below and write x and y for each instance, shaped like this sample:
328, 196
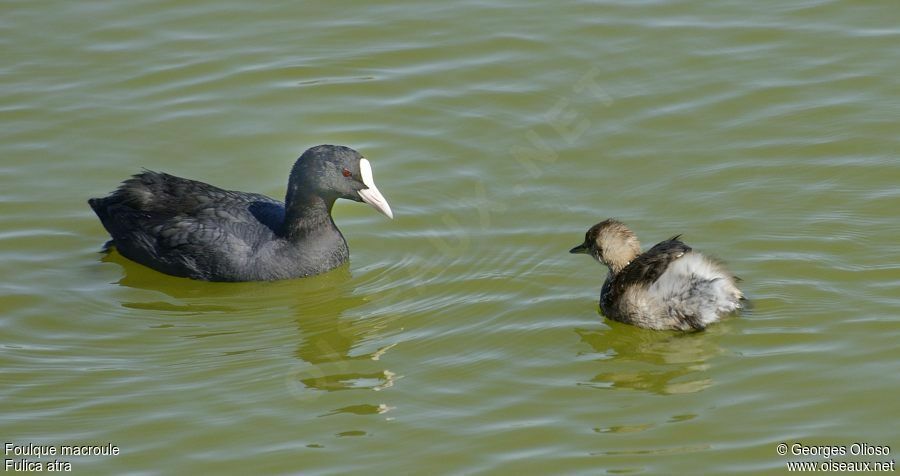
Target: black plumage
188, 228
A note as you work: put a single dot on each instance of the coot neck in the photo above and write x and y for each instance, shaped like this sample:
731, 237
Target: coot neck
306, 215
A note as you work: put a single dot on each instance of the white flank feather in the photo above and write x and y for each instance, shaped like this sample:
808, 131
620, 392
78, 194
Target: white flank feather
696, 285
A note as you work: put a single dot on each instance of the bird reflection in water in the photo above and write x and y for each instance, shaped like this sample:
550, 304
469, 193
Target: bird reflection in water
662, 363
338, 345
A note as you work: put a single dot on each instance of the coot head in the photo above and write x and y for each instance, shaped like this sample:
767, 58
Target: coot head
334, 171
611, 243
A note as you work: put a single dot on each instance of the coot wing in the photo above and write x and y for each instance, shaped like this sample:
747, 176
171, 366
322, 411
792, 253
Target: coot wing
185, 227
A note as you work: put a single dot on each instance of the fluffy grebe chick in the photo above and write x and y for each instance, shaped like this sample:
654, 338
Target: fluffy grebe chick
669, 286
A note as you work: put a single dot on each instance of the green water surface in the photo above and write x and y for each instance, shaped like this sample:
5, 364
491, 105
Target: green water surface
461, 338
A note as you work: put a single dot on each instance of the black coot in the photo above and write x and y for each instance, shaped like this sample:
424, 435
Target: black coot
187, 228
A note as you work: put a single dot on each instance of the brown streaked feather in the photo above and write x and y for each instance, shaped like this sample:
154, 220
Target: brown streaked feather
647, 267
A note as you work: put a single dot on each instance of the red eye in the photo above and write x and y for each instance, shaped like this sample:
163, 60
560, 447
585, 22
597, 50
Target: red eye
347, 173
